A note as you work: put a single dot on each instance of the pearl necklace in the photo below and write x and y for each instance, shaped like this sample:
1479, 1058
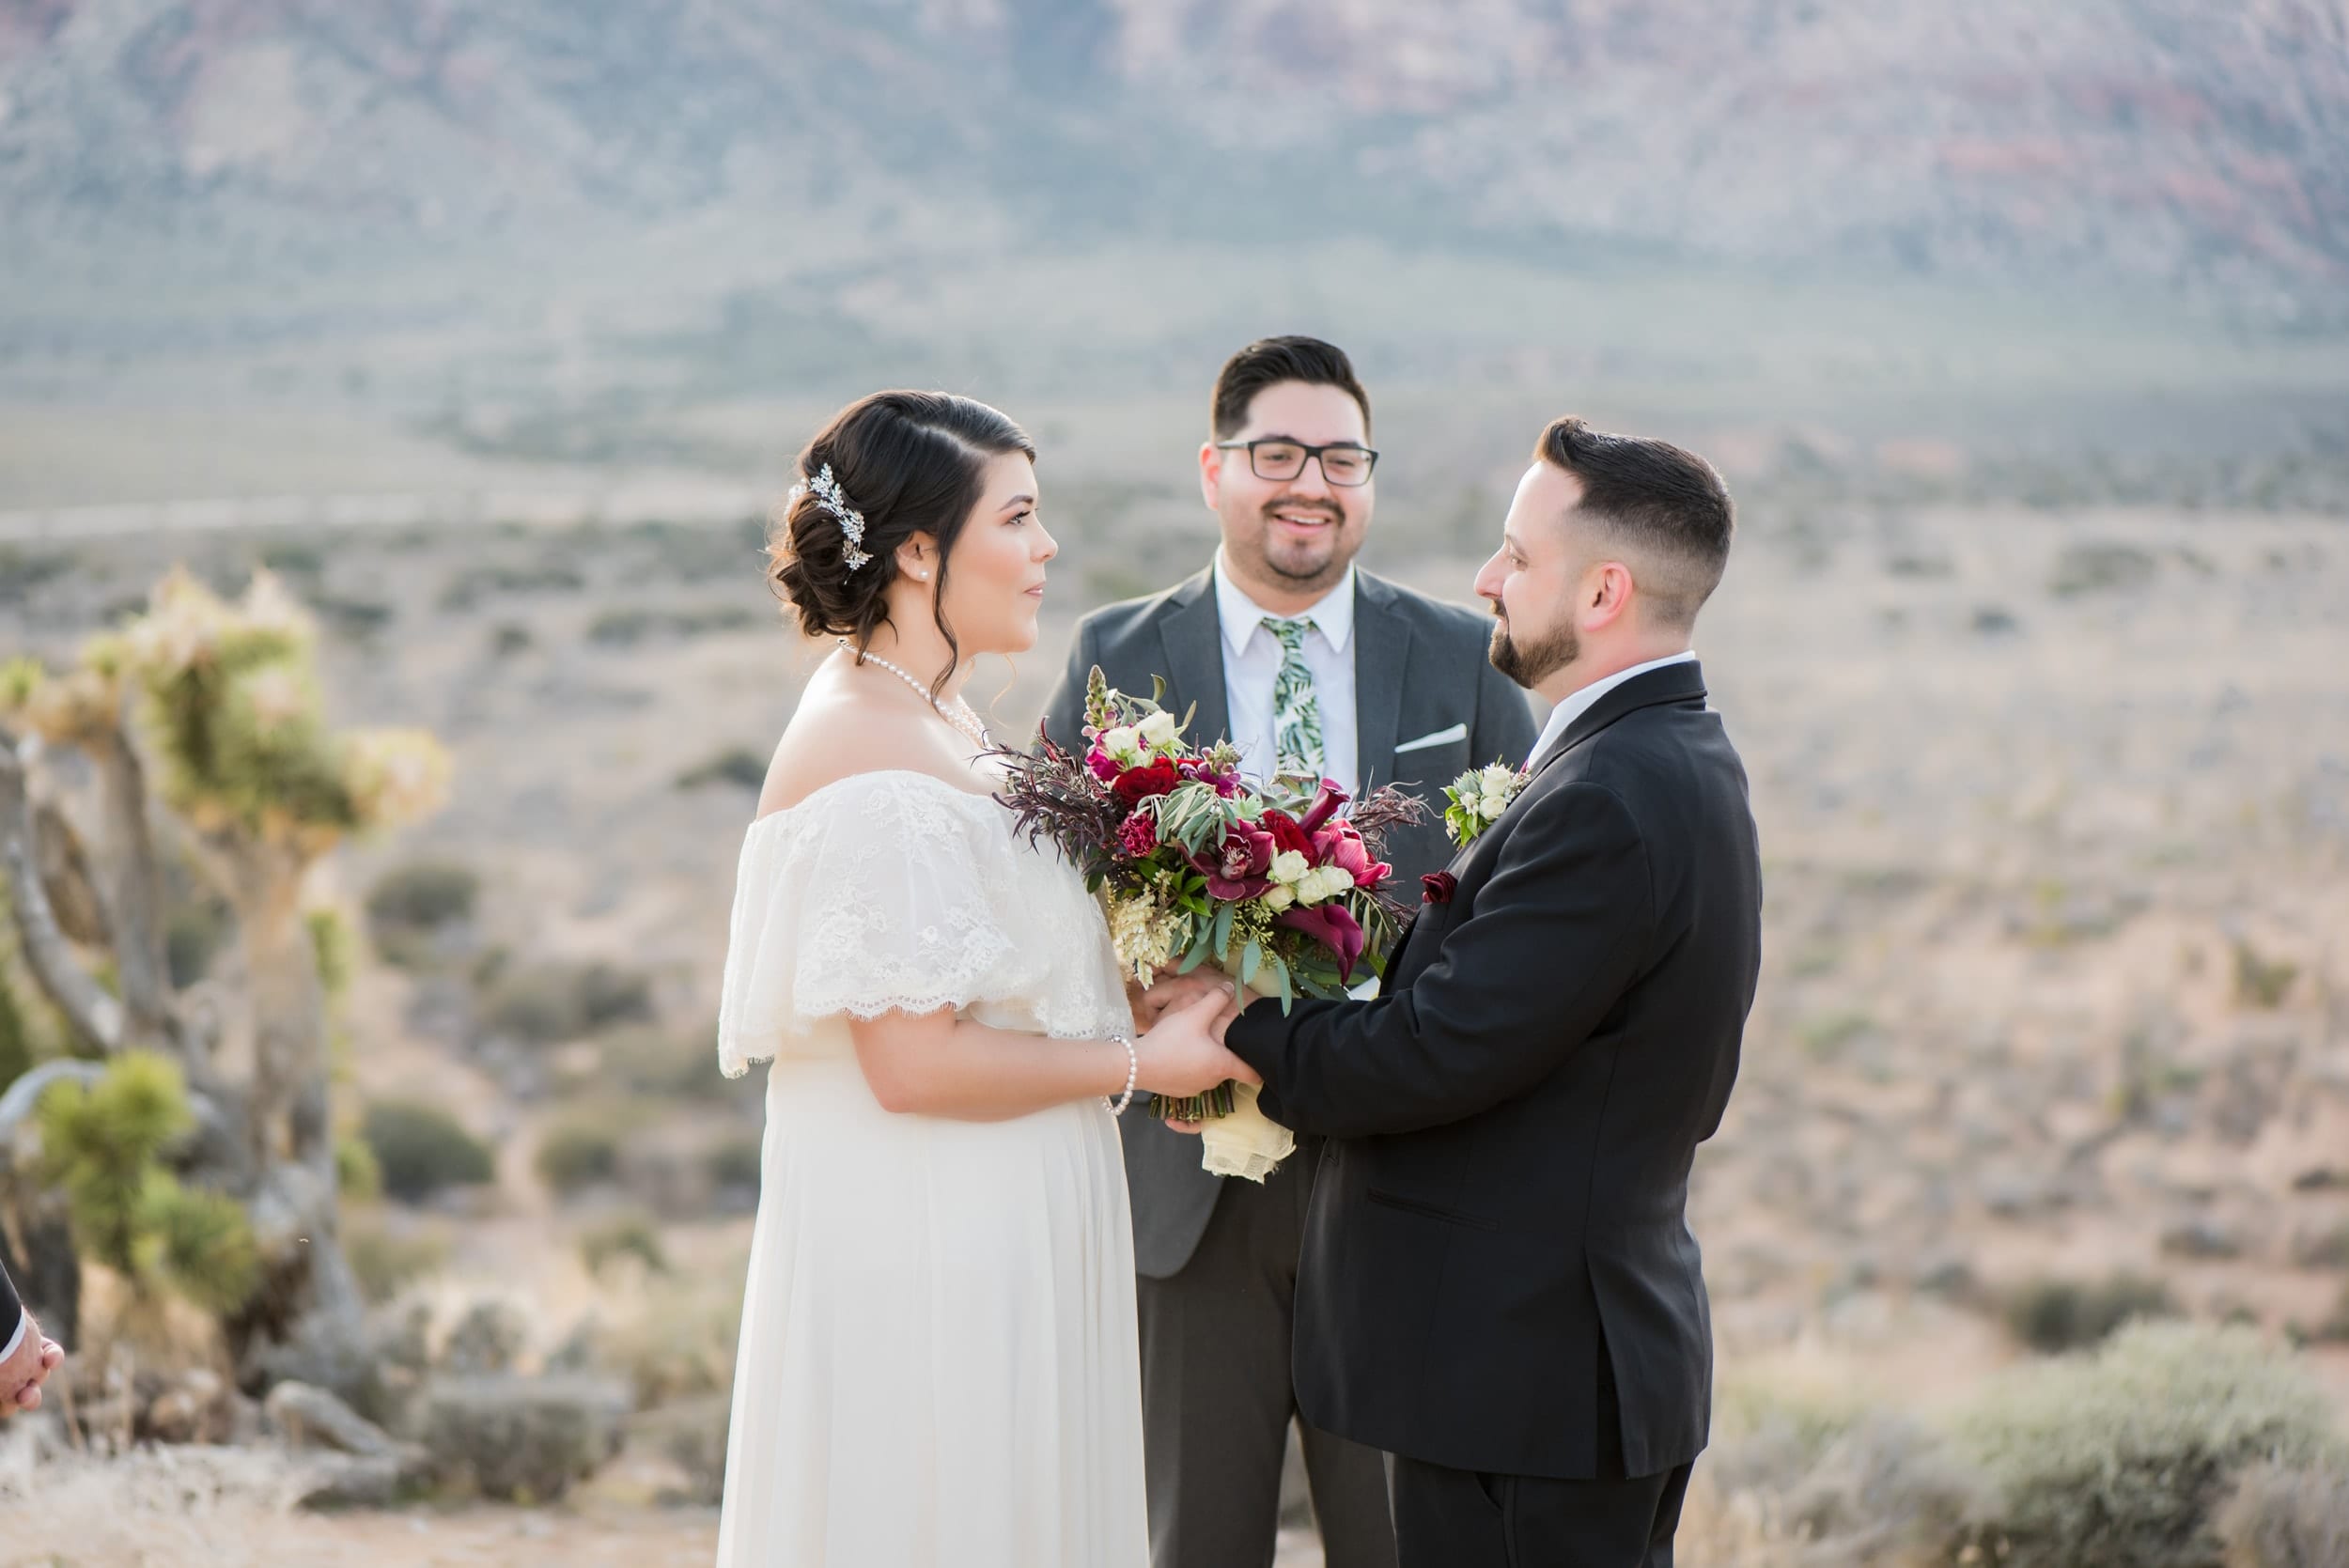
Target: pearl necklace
965, 721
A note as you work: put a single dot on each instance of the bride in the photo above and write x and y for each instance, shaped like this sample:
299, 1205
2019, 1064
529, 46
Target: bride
939, 1360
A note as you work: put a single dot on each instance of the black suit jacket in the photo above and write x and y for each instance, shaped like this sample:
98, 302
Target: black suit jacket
1420, 670
1501, 1203
11, 1309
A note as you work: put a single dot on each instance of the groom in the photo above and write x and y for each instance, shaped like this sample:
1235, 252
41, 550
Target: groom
1310, 665
1498, 1285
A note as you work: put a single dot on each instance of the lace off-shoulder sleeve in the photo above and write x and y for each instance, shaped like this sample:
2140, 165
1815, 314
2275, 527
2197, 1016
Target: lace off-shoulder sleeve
881, 892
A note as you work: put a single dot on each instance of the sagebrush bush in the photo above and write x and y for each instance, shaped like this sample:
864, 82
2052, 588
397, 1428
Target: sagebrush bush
547, 1002
2286, 1517
579, 1152
422, 1150
736, 1162
2121, 1459
628, 1235
388, 1260
2054, 1314
423, 894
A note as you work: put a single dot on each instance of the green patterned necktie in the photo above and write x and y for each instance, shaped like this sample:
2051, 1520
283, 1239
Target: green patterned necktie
1296, 708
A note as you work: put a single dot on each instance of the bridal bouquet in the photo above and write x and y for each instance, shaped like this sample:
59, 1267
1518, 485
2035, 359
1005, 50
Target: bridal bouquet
1270, 884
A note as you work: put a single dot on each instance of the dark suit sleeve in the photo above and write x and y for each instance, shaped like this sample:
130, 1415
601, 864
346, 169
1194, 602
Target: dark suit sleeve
11, 1309
1551, 940
1064, 712
1504, 722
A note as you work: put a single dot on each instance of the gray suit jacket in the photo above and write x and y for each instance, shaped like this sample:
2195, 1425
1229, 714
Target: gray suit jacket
1420, 669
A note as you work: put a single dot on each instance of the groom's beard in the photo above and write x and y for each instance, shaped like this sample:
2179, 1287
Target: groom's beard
1529, 663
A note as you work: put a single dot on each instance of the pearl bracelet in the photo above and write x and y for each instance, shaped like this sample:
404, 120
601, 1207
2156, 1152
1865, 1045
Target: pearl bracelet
1133, 1070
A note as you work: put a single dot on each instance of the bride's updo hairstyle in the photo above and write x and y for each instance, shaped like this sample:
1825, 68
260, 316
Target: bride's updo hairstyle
910, 462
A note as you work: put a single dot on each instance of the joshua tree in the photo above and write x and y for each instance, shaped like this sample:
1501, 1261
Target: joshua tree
220, 701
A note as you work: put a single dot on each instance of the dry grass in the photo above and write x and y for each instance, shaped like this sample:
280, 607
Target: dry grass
226, 1508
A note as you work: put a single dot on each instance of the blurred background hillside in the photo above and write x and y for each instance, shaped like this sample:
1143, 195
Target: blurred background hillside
2022, 334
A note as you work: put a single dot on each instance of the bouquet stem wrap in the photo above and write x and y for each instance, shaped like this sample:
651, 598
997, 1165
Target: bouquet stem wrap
1245, 1142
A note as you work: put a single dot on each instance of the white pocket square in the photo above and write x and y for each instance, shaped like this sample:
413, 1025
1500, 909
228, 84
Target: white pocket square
1441, 738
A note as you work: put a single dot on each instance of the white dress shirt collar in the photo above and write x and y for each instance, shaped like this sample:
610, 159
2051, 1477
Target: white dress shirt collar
1561, 718
1332, 615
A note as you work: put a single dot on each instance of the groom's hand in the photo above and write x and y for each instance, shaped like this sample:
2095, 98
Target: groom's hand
1170, 992
23, 1372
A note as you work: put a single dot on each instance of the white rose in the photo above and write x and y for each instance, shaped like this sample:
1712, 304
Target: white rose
1497, 779
1159, 729
1492, 805
1322, 883
1289, 867
1123, 744
1280, 898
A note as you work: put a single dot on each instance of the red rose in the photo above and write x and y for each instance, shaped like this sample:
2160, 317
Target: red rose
1137, 784
1286, 835
1437, 886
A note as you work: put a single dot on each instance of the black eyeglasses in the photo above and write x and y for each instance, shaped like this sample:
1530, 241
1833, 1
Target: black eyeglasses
1344, 464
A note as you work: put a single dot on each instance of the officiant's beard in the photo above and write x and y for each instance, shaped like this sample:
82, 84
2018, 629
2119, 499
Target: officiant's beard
1304, 565
1530, 663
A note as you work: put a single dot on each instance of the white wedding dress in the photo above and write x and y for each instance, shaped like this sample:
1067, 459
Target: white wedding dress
939, 1360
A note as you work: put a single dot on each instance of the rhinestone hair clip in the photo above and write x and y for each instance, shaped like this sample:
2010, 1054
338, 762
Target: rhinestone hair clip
829, 496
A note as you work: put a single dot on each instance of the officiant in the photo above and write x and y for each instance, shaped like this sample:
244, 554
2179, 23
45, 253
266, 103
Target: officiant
1309, 665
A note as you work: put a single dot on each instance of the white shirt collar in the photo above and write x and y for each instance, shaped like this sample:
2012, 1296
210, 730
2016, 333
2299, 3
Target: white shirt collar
1561, 718
1240, 615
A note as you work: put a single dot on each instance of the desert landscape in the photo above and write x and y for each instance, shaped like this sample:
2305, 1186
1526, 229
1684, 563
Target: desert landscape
487, 335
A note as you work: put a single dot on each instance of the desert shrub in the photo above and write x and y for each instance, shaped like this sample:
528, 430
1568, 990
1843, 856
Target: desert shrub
1886, 1490
626, 628
2055, 1314
683, 1346
737, 765
490, 1338
466, 589
694, 1437
2124, 1457
423, 1150
2258, 981
2286, 1517
388, 1260
2090, 568
628, 1235
425, 893
2322, 1249
653, 1062
546, 1002
736, 1162
527, 1439
579, 1152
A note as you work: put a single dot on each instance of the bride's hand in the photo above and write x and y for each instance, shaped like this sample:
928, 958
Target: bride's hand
1183, 1054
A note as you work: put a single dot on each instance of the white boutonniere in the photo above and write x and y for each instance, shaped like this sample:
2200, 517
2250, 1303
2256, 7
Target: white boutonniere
1477, 798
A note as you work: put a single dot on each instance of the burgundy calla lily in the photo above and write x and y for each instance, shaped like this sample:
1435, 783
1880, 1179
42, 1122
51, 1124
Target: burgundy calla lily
1325, 806
1331, 926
